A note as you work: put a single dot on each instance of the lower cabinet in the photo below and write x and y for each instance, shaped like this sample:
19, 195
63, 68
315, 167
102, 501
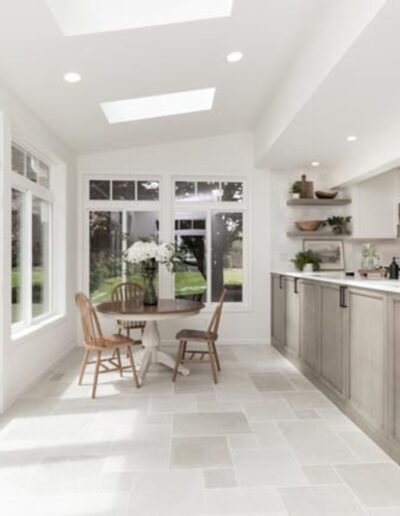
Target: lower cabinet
367, 356
394, 370
333, 338
292, 315
310, 324
278, 310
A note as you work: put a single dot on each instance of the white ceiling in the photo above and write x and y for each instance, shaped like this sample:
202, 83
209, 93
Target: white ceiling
34, 56
361, 96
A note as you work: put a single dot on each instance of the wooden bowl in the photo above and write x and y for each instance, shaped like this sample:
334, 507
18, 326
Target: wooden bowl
308, 225
325, 195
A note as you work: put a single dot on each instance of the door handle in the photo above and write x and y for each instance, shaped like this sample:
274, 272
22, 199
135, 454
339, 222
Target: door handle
342, 296
296, 287
281, 282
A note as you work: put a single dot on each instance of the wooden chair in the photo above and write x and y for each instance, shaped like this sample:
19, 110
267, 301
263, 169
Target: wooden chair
129, 292
208, 337
95, 342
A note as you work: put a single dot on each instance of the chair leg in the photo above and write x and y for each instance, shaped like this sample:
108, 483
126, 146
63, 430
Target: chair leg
216, 356
119, 361
83, 366
132, 362
212, 362
128, 334
96, 374
179, 358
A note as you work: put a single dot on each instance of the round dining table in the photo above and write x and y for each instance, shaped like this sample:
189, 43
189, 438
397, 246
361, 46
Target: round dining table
165, 309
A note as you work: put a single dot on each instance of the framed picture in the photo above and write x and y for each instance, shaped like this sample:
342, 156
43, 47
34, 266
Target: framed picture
331, 253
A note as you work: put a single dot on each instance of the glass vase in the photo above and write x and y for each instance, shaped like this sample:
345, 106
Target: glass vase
149, 273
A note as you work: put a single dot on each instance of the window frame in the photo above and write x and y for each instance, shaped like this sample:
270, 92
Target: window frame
30, 189
213, 207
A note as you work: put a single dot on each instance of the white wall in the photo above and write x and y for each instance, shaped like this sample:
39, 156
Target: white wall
227, 155
25, 359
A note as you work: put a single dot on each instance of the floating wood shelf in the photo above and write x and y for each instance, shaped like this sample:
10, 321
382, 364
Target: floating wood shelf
318, 202
315, 234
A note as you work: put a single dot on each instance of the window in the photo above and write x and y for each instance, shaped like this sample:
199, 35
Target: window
107, 244
31, 214
123, 190
212, 240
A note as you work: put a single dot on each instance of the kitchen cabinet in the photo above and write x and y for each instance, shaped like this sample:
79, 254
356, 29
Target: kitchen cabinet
367, 355
375, 206
334, 324
394, 371
309, 324
278, 310
292, 315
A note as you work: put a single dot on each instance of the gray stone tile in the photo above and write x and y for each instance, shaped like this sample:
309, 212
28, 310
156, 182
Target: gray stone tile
244, 501
200, 452
322, 475
376, 485
219, 478
271, 381
204, 424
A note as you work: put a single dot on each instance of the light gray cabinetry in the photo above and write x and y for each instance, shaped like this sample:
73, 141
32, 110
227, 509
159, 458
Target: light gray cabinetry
309, 324
333, 337
292, 315
278, 310
394, 370
367, 355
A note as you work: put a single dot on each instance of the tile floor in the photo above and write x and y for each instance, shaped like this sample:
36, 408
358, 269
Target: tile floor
263, 441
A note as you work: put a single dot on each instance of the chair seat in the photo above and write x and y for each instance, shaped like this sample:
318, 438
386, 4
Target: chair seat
196, 335
110, 342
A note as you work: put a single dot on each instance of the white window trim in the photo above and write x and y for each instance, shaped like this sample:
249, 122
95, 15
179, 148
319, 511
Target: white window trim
31, 189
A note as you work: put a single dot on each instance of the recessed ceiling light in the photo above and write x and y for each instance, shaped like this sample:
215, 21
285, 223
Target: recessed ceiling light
234, 57
315, 164
76, 17
158, 106
352, 138
72, 77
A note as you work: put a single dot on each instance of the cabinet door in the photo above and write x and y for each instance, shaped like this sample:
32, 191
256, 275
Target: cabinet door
394, 375
309, 324
278, 310
292, 316
333, 338
368, 348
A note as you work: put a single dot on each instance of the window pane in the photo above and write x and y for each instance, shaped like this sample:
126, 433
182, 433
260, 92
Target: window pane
16, 255
185, 190
208, 191
43, 172
99, 190
123, 190
40, 257
140, 225
191, 275
105, 259
18, 160
227, 256
148, 190
232, 192
31, 168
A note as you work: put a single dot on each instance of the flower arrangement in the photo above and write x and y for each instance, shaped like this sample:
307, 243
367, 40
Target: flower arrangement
147, 254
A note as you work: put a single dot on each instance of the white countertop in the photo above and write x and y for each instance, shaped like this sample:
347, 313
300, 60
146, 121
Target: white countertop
339, 278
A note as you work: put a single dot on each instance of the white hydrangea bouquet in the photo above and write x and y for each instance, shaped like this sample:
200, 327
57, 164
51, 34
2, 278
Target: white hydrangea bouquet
146, 255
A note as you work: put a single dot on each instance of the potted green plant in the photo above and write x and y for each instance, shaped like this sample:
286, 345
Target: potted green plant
306, 260
339, 225
295, 190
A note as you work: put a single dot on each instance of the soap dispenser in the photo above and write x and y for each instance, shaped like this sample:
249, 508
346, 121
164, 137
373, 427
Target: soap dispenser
393, 269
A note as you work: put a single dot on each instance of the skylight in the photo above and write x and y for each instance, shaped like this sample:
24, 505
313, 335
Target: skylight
76, 17
158, 106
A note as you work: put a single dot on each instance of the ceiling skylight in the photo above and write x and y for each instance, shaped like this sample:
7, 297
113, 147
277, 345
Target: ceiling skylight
158, 106
76, 17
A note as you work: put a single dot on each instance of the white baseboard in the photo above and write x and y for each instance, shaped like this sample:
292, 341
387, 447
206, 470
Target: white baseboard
36, 378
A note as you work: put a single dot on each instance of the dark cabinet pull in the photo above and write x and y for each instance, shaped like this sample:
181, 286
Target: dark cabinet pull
296, 288
343, 297
281, 282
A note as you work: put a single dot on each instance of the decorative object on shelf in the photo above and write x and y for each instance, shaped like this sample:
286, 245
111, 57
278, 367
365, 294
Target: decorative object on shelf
308, 225
306, 260
338, 224
325, 195
370, 258
330, 253
393, 269
146, 255
295, 190
306, 188
380, 272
